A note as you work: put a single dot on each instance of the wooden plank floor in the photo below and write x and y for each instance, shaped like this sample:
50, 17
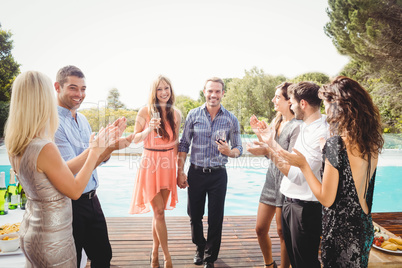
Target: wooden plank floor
131, 240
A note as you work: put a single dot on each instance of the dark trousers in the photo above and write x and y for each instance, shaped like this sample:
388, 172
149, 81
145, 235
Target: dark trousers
301, 226
90, 232
214, 185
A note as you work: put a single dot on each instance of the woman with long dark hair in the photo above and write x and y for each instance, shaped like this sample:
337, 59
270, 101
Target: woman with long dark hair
157, 125
286, 129
350, 158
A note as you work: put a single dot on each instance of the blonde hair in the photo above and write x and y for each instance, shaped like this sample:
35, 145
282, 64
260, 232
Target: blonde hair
154, 106
33, 112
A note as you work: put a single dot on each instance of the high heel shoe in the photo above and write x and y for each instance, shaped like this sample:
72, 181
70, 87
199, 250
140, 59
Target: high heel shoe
154, 264
273, 263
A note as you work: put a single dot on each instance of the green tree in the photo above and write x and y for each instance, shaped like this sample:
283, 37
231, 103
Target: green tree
385, 95
4, 108
369, 32
100, 117
250, 95
318, 78
113, 100
201, 96
185, 104
9, 69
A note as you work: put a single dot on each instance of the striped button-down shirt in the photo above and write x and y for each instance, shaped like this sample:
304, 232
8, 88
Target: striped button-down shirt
202, 131
72, 138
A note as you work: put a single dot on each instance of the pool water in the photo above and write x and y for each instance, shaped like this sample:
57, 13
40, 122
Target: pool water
388, 189
245, 181
246, 177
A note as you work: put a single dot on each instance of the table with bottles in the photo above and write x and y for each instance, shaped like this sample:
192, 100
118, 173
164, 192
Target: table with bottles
12, 195
12, 207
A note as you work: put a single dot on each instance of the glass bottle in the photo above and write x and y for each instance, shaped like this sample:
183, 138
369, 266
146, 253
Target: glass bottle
3, 194
12, 192
23, 197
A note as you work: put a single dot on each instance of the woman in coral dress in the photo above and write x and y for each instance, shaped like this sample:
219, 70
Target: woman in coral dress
156, 183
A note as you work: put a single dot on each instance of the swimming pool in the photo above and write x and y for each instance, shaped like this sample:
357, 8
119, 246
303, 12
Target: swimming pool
246, 176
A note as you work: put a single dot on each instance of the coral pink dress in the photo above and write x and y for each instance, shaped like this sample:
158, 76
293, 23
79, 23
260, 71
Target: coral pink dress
157, 171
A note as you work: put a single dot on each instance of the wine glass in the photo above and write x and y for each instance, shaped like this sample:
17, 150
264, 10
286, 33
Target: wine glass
220, 136
157, 115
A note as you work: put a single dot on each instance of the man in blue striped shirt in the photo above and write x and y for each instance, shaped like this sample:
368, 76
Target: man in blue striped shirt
207, 173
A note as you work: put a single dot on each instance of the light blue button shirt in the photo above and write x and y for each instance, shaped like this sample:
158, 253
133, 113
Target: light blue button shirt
200, 132
72, 138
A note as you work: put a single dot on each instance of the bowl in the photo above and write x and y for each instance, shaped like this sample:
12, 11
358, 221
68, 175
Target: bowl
9, 242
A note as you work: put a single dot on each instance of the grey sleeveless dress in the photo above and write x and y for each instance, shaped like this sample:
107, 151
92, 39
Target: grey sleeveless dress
270, 193
46, 229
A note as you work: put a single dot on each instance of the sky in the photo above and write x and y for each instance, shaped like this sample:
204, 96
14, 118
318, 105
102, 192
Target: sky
125, 44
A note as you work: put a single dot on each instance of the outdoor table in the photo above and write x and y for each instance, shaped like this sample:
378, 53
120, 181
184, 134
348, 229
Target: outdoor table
18, 260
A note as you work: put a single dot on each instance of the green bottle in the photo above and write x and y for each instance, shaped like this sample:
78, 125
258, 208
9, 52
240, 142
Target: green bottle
3, 194
23, 197
12, 192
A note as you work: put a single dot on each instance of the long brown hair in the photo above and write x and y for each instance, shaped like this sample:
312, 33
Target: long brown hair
279, 117
352, 111
154, 106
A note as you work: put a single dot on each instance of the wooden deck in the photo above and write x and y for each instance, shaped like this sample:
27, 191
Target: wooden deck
131, 241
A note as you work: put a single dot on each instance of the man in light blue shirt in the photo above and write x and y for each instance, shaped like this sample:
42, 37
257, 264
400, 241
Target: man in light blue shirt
207, 173
72, 139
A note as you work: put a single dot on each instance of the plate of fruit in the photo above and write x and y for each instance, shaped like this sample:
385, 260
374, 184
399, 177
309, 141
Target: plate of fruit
383, 242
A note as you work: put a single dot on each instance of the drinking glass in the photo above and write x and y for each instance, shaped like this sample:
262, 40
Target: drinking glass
220, 135
157, 115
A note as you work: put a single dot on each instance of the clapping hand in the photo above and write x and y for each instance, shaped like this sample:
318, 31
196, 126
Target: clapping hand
121, 124
296, 159
105, 138
254, 124
267, 132
122, 142
257, 148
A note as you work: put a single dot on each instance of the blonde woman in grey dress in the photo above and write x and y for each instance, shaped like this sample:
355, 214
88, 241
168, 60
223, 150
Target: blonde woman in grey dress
285, 129
46, 231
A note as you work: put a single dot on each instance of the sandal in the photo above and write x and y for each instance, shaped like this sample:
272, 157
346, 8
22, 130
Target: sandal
273, 263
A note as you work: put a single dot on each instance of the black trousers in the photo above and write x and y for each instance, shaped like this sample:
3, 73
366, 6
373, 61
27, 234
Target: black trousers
301, 226
90, 232
214, 185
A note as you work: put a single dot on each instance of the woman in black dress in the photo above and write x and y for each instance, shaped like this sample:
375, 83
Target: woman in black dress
350, 160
